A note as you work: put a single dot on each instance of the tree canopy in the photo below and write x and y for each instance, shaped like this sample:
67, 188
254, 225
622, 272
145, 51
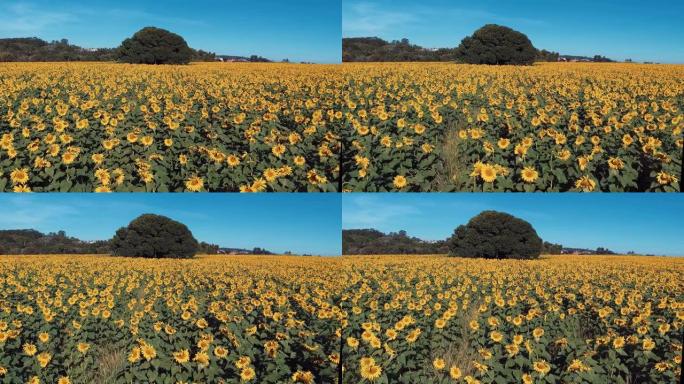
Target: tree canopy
496, 45
495, 235
155, 236
153, 45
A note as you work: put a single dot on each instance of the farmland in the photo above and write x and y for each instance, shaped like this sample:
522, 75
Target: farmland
547, 127
203, 127
105, 319
393, 318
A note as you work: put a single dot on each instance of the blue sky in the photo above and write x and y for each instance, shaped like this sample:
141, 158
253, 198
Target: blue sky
301, 30
622, 222
279, 222
619, 29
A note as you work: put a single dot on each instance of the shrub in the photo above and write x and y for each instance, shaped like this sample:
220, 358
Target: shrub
495, 44
495, 235
153, 45
155, 236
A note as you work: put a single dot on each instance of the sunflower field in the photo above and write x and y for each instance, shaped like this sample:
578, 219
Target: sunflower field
369, 319
560, 319
213, 319
547, 127
203, 127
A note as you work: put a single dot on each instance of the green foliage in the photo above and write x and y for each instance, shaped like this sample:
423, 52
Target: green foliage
546, 56
497, 45
155, 236
35, 49
153, 45
495, 235
32, 242
374, 242
551, 248
207, 248
376, 49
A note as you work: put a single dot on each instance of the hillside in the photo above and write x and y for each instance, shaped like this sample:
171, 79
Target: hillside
30, 241
374, 242
376, 49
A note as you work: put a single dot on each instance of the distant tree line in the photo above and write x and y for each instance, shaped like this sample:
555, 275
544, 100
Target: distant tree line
32, 242
491, 44
37, 50
377, 49
374, 242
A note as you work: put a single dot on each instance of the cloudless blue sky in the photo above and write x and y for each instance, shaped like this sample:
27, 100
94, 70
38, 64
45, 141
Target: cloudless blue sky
301, 30
619, 29
622, 222
279, 222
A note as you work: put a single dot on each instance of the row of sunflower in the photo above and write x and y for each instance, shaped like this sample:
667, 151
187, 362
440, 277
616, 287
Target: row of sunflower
562, 319
101, 319
379, 319
547, 127
203, 127
374, 127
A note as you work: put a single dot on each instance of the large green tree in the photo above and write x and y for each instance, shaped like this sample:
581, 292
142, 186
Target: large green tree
153, 45
495, 235
155, 236
496, 45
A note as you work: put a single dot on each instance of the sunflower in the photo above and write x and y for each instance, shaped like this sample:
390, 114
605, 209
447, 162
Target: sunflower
233, 160
21, 188
247, 374
541, 366
512, 349
182, 356
648, 344
278, 150
371, 372
529, 175
399, 181
304, 377
43, 359
242, 362
43, 337
503, 143
201, 358
19, 176
148, 351
29, 349
194, 183
585, 184
438, 364
616, 163
488, 173
82, 347
68, 158
665, 178
496, 336
538, 333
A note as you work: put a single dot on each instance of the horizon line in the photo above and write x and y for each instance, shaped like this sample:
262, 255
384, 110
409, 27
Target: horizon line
561, 54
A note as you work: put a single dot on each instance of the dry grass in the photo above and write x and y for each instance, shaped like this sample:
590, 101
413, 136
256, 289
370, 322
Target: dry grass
457, 353
454, 163
110, 362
